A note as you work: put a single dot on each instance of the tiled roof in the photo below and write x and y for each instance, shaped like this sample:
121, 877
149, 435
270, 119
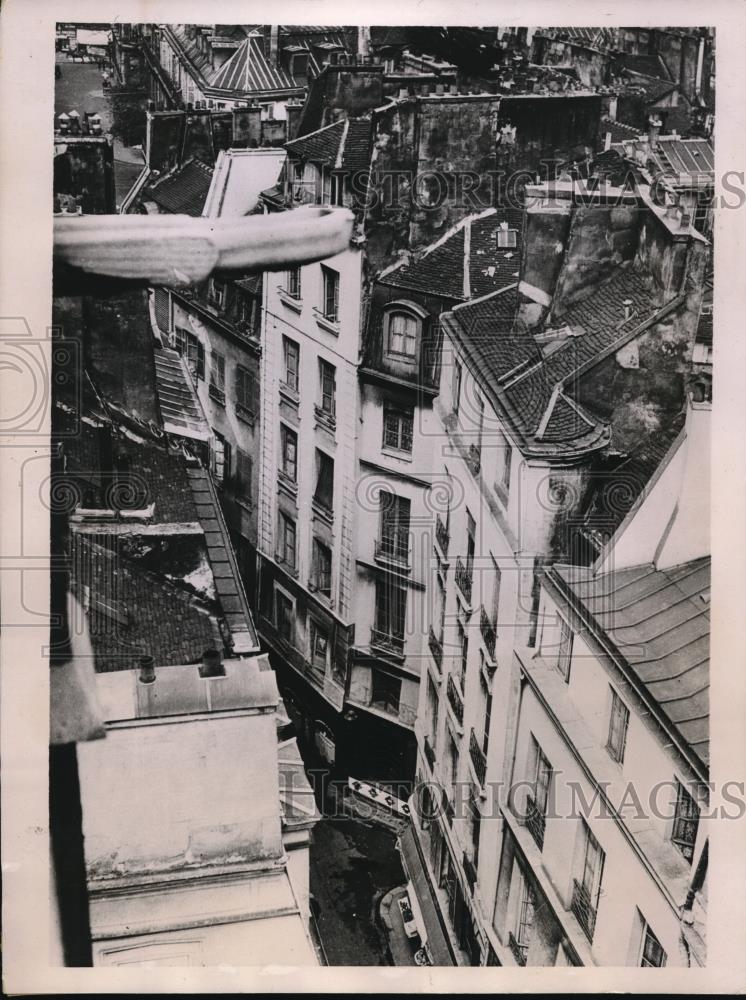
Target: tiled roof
594, 37
316, 40
248, 71
440, 269
619, 130
652, 86
648, 65
133, 613
684, 156
184, 191
534, 386
344, 145
659, 621
614, 493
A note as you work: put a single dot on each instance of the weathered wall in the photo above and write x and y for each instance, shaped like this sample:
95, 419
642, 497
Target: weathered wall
547, 128
662, 254
544, 244
601, 237
85, 170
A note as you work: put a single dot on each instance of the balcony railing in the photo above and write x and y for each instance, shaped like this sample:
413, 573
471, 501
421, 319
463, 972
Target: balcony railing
489, 632
392, 551
387, 642
436, 647
428, 751
582, 908
478, 759
463, 579
520, 951
470, 871
535, 821
441, 535
455, 700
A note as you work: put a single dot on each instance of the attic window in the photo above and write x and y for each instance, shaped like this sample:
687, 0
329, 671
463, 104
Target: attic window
506, 237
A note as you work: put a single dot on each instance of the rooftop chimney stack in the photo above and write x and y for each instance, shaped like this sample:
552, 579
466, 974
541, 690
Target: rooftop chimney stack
274, 44
147, 670
654, 127
363, 42
212, 665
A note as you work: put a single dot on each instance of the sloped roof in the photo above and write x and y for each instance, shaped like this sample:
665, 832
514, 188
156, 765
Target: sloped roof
343, 145
240, 177
440, 269
248, 71
185, 190
177, 399
659, 622
648, 65
533, 385
653, 87
684, 156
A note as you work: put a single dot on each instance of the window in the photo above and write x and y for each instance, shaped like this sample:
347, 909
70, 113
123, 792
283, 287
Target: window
217, 376
471, 532
506, 237
398, 425
246, 392
394, 541
217, 292
456, 385
496, 581
587, 890
685, 823
618, 723
287, 541
221, 459
540, 776
330, 306
524, 916
487, 715
327, 384
319, 648
324, 492
289, 444
247, 313
385, 692
243, 475
293, 283
284, 616
564, 651
291, 361
502, 486
194, 352
432, 711
463, 645
402, 338
322, 568
652, 954
391, 608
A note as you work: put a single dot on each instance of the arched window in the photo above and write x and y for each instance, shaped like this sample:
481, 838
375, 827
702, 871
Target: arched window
403, 328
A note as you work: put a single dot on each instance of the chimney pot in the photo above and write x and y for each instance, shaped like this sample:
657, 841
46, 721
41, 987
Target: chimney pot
147, 670
212, 665
627, 309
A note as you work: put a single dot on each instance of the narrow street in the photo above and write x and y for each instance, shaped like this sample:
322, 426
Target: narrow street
80, 89
353, 865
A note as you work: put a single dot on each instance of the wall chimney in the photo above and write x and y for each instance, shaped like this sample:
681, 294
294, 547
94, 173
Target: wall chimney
147, 670
211, 665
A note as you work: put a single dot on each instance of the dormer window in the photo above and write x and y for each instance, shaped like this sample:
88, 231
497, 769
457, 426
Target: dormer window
402, 330
506, 238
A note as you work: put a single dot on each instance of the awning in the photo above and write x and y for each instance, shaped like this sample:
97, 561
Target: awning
423, 901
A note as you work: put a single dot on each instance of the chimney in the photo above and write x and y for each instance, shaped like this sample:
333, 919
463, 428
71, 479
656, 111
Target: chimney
274, 44
654, 127
147, 670
211, 665
363, 42
293, 110
613, 103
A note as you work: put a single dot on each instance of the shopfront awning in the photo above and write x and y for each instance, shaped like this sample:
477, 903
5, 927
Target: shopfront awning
423, 901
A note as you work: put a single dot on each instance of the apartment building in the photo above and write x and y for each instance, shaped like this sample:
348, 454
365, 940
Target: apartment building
622, 659
528, 421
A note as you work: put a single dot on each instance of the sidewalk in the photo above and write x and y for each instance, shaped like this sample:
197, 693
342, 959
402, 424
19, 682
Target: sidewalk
401, 947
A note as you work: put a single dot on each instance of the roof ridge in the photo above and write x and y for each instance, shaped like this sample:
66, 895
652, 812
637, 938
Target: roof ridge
342, 142
483, 298
307, 135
